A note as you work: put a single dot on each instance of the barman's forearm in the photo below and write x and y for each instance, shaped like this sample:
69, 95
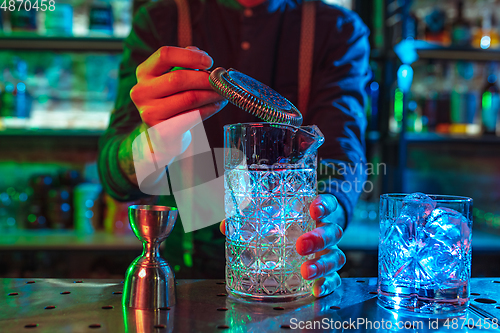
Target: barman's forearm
116, 164
125, 155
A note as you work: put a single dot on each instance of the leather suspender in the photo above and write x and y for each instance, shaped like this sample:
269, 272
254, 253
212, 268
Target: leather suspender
306, 54
184, 36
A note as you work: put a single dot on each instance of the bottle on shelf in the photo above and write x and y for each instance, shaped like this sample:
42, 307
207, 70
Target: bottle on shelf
487, 36
436, 30
412, 26
40, 185
7, 100
87, 205
413, 118
23, 20
122, 19
443, 104
457, 97
429, 107
460, 28
416, 121
10, 207
463, 102
101, 18
396, 118
23, 99
60, 200
371, 107
15, 99
59, 22
490, 106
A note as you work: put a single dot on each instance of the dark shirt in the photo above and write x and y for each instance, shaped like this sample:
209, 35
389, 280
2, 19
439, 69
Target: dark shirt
272, 31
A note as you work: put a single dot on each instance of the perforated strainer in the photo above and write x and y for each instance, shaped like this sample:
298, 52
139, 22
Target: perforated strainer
254, 97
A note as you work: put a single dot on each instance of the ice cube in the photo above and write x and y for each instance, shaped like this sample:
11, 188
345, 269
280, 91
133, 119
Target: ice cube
406, 226
440, 261
448, 226
448, 244
418, 205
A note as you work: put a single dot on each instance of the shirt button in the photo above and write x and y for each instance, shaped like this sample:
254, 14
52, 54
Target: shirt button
248, 12
245, 45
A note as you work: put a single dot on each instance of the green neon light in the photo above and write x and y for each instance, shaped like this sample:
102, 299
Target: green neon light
486, 100
398, 105
188, 260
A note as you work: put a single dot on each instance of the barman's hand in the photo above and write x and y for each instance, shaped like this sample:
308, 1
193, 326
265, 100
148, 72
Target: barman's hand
175, 100
322, 241
161, 94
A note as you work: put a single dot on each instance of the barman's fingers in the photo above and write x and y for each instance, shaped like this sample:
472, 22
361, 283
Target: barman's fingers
167, 57
171, 83
155, 111
326, 285
222, 227
323, 207
160, 96
324, 265
319, 239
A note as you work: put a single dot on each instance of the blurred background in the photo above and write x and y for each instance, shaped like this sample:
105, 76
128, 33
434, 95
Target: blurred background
433, 127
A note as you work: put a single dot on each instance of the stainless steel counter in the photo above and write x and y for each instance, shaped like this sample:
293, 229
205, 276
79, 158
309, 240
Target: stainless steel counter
62, 305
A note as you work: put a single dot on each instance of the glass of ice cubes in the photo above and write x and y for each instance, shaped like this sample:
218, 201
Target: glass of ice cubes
424, 253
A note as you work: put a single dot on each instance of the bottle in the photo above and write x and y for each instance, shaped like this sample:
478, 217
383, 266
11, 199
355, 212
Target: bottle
59, 201
486, 37
396, 118
371, 106
460, 28
435, 30
374, 97
7, 100
458, 101
122, 17
87, 207
101, 18
59, 22
413, 117
430, 93
412, 26
40, 185
443, 105
490, 106
23, 98
23, 20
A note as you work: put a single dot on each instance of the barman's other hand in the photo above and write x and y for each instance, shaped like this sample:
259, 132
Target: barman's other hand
322, 241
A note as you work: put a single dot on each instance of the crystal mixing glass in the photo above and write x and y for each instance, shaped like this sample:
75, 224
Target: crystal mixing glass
270, 181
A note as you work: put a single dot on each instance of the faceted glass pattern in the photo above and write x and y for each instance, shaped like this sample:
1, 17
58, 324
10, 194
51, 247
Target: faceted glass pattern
267, 210
425, 253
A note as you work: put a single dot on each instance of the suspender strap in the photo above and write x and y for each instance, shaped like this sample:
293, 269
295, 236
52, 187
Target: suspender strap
184, 35
185, 38
306, 53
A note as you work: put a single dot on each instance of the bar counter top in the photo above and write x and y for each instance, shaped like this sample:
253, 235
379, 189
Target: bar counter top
64, 305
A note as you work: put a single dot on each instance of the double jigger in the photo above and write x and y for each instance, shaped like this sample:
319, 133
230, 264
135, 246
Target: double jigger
149, 280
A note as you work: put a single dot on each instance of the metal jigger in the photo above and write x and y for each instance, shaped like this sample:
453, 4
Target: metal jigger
149, 281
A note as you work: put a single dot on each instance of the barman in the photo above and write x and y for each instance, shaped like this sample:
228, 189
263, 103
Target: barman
261, 39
